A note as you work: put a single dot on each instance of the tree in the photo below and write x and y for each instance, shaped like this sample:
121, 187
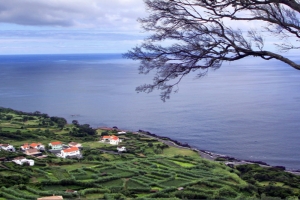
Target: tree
203, 36
75, 122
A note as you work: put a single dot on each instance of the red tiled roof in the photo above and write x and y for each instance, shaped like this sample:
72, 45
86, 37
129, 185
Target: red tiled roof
34, 145
32, 151
71, 149
25, 145
113, 137
56, 143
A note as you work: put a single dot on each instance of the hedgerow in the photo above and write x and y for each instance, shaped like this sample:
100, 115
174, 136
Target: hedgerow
16, 193
93, 190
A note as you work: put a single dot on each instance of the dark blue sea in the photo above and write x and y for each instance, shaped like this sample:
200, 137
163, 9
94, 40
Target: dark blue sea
248, 109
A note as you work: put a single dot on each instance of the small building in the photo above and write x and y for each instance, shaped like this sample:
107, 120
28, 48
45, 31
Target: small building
106, 128
71, 152
111, 139
71, 191
121, 149
7, 147
121, 132
75, 144
23, 160
38, 146
57, 145
33, 152
51, 198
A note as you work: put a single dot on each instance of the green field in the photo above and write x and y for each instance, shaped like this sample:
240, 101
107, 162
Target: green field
149, 168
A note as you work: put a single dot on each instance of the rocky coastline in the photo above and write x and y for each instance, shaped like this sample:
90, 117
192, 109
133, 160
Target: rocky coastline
230, 161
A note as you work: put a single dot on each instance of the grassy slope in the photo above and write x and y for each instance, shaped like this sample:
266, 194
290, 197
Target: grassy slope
149, 169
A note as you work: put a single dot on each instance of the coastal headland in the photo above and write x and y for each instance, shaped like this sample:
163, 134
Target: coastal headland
42, 155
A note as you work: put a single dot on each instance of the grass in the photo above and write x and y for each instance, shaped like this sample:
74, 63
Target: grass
266, 183
114, 171
172, 151
95, 144
133, 184
113, 183
95, 196
61, 187
76, 166
184, 164
109, 157
156, 188
176, 182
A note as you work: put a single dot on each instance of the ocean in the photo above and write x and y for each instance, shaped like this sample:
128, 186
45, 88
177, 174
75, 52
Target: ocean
248, 109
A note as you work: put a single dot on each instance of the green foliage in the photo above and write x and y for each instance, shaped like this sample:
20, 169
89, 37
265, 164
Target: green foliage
148, 164
93, 190
257, 175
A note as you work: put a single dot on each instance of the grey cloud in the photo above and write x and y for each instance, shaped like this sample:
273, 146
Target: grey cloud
120, 14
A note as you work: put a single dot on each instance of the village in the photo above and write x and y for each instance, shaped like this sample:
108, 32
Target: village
58, 148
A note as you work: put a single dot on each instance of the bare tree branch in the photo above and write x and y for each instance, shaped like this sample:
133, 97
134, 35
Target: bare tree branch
203, 38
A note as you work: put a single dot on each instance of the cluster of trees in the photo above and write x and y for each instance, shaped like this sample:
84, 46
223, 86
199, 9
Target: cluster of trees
82, 130
254, 174
36, 113
61, 122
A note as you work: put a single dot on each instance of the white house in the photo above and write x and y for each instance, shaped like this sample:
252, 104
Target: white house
112, 139
75, 144
38, 146
22, 160
121, 149
72, 151
7, 147
121, 132
56, 145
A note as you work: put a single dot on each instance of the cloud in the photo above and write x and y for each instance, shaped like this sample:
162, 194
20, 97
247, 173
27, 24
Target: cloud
108, 15
70, 35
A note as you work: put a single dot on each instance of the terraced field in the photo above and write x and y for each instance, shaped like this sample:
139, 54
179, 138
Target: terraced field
148, 169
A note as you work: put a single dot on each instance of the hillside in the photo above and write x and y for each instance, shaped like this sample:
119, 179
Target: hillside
144, 168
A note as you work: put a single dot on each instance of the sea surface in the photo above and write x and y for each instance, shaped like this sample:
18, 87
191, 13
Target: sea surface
248, 109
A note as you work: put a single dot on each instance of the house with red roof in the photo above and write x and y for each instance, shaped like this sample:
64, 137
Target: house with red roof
71, 152
75, 144
57, 145
33, 152
38, 146
111, 139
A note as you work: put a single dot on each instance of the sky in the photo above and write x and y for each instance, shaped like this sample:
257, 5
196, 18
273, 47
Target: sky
77, 26
70, 26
